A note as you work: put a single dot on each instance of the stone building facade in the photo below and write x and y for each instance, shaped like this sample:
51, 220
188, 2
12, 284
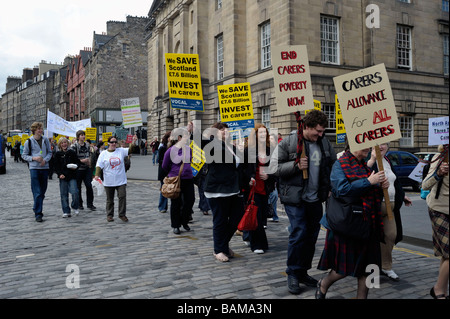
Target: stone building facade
233, 39
117, 70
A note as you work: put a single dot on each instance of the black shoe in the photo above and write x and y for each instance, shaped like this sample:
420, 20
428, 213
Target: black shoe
308, 280
319, 294
39, 219
293, 285
92, 207
187, 227
80, 208
176, 231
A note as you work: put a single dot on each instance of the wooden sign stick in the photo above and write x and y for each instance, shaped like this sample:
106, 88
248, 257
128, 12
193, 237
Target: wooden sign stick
385, 191
305, 171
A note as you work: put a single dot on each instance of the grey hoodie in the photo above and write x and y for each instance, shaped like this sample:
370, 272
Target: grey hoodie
45, 152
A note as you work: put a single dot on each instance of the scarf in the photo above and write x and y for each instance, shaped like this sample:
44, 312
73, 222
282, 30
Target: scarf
299, 120
371, 199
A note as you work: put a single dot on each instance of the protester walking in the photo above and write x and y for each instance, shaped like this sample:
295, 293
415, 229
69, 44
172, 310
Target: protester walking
393, 230
259, 152
84, 172
66, 164
37, 152
345, 255
222, 188
437, 182
301, 195
155, 145
178, 157
111, 164
163, 202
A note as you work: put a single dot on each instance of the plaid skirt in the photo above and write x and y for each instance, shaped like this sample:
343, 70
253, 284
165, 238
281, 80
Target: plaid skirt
439, 224
349, 257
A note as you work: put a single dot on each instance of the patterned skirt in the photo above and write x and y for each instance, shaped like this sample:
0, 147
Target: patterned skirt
349, 257
439, 224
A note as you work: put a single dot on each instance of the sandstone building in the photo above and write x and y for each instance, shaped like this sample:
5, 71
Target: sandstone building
233, 39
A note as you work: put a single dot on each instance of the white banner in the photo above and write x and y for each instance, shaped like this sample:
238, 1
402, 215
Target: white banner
58, 125
131, 112
438, 130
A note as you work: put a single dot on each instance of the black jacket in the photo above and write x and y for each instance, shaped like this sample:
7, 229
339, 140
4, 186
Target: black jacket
62, 159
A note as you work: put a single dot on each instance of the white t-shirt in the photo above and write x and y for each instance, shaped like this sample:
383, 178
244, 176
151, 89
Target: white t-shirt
113, 166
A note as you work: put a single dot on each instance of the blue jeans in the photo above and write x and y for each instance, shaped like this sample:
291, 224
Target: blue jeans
162, 205
273, 199
304, 229
155, 157
66, 187
39, 180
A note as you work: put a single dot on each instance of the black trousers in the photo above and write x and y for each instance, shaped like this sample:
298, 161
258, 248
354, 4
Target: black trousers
181, 207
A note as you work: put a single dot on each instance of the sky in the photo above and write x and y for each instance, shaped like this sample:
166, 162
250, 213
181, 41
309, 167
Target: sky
32, 31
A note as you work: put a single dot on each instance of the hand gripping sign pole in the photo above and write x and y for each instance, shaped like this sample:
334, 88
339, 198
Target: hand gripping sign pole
385, 191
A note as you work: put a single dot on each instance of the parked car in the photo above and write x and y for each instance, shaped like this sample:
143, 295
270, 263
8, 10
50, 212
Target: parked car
2, 155
403, 164
426, 156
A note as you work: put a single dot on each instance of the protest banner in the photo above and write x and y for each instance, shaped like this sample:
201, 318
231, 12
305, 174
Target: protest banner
236, 108
292, 79
131, 112
58, 125
129, 139
340, 126
368, 109
438, 130
198, 158
184, 81
91, 133
317, 106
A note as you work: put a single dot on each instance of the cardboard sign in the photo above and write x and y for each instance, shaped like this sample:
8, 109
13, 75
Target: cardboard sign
367, 107
105, 137
292, 79
131, 112
340, 127
236, 108
317, 106
184, 81
438, 130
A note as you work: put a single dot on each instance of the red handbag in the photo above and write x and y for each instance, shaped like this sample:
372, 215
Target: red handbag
249, 220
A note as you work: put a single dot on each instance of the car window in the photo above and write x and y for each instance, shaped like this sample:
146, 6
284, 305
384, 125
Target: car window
408, 159
393, 158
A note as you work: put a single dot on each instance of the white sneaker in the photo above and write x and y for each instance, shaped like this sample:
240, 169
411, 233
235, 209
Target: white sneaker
258, 251
66, 215
391, 274
76, 212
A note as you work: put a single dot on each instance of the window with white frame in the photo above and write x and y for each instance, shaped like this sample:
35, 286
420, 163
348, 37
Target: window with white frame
329, 111
219, 50
407, 130
446, 55
265, 116
266, 60
404, 53
329, 40
445, 5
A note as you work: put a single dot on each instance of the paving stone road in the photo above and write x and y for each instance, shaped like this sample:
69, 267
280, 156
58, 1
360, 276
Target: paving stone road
144, 259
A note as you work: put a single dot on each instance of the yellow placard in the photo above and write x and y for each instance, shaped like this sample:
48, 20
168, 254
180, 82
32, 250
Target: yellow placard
317, 106
91, 133
198, 158
105, 137
184, 81
340, 127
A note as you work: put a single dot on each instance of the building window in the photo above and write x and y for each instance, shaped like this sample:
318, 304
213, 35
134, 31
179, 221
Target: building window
405, 1
218, 4
329, 40
220, 57
265, 46
445, 5
446, 59
407, 130
265, 116
329, 110
404, 53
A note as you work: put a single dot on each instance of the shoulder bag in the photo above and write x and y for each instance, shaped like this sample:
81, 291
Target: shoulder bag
249, 220
171, 187
345, 217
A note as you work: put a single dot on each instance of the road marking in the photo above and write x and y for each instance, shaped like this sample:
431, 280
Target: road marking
23, 256
415, 252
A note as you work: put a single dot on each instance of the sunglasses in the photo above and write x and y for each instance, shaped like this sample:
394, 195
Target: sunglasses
112, 142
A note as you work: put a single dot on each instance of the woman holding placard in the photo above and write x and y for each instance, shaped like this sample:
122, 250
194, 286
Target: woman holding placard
346, 256
437, 200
